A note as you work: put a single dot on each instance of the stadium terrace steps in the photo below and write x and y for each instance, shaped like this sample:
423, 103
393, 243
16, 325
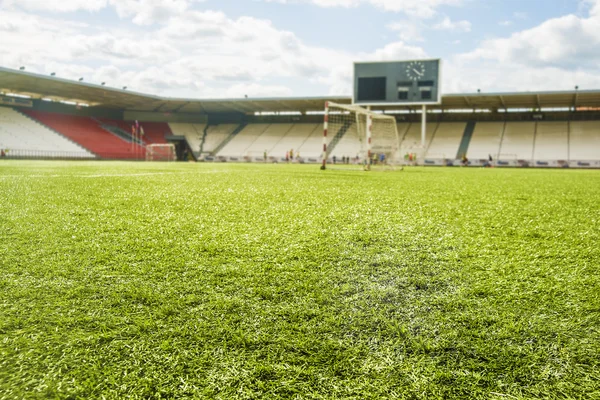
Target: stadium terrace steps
216, 135
240, 140
551, 141
154, 132
463, 148
338, 147
20, 133
204, 131
517, 142
486, 140
89, 134
584, 140
312, 145
268, 139
193, 133
296, 139
412, 138
403, 129
120, 133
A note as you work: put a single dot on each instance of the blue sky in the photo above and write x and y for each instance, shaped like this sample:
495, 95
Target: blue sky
227, 48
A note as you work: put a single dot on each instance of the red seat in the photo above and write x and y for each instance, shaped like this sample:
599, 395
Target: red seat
88, 133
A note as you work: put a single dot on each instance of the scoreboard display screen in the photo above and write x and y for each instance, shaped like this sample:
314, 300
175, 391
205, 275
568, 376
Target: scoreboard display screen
372, 89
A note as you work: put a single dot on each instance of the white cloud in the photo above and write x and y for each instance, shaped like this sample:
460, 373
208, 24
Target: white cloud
254, 90
396, 51
448, 25
190, 53
142, 12
420, 8
564, 41
407, 30
54, 6
505, 23
557, 54
174, 49
147, 12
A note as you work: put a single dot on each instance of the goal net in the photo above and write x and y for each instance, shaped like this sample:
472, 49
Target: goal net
160, 152
354, 135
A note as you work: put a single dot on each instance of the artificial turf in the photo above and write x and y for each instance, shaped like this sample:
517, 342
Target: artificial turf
177, 280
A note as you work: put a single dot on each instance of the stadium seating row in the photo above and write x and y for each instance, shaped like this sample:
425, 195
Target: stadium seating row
21, 134
88, 133
577, 140
89, 137
68, 136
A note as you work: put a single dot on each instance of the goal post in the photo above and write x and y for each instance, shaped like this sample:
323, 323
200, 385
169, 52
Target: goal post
353, 133
160, 152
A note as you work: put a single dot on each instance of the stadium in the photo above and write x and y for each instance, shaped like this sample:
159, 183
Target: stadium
49, 117
393, 243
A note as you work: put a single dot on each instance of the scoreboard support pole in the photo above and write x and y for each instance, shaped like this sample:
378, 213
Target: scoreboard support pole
423, 124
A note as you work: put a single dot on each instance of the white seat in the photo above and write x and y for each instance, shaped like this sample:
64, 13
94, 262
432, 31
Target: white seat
239, 145
486, 140
446, 140
517, 142
551, 141
18, 132
585, 140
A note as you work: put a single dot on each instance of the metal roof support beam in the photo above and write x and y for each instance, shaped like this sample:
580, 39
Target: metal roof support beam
503, 103
176, 109
157, 109
468, 102
539, 105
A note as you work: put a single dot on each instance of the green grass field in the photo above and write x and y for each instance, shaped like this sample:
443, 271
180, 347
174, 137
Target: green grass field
139, 280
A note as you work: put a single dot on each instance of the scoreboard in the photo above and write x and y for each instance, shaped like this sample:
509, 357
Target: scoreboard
415, 82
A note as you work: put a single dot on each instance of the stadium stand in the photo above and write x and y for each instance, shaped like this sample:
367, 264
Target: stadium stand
486, 140
403, 128
295, 139
551, 141
88, 133
216, 134
239, 145
584, 140
412, 138
269, 138
24, 137
517, 142
348, 146
154, 132
446, 140
193, 133
545, 129
312, 147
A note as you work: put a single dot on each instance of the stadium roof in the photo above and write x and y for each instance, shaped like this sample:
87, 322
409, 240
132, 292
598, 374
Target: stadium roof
47, 87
